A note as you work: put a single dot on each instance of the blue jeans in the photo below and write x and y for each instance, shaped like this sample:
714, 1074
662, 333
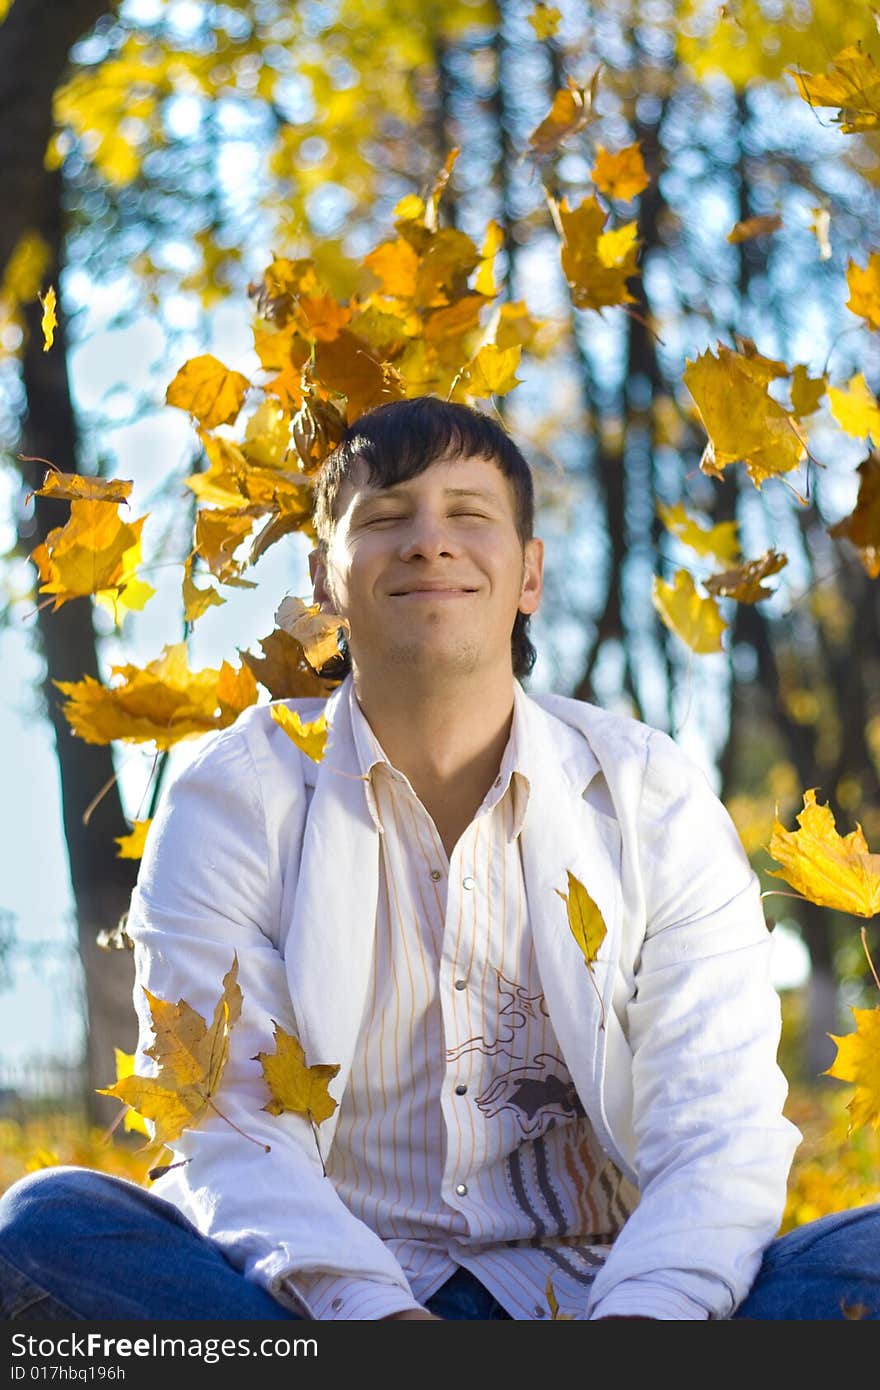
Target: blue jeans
80, 1244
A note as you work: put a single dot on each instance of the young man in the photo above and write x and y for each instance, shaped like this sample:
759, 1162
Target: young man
524, 1128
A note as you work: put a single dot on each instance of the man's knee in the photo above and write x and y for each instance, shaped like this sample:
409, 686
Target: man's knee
49, 1198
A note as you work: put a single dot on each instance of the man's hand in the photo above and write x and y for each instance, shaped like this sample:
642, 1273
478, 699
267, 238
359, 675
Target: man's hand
412, 1315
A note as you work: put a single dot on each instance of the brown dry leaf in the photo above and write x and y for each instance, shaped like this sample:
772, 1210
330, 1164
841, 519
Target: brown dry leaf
596, 263
348, 367
862, 527
283, 669
754, 226
211, 393
75, 487
864, 289
696, 620
310, 738
572, 109
852, 84
162, 702
827, 868
744, 583
622, 175
293, 1086
317, 631
191, 1058
742, 419
316, 428
858, 1060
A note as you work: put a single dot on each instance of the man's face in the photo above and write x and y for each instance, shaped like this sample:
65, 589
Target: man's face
430, 573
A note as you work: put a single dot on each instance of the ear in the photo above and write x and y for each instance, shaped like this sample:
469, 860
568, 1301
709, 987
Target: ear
533, 576
318, 573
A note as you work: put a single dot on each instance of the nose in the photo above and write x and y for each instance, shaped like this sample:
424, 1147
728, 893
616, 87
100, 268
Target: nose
427, 538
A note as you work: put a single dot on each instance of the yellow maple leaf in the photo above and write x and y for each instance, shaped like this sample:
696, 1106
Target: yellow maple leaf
742, 419
492, 372
596, 263
858, 1060
751, 227
852, 84
49, 320
311, 738
283, 668
191, 1058
545, 20
584, 918
862, 526
317, 632
218, 534
128, 593
856, 408
622, 175
719, 541
196, 601
864, 289
90, 554
744, 583
210, 392
162, 702
293, 1086
131, 1120
827, 868
693, 618
73, 487
132, 846
806, 391
572, 108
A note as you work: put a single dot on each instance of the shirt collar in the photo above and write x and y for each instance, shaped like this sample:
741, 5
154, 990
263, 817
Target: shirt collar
513, 771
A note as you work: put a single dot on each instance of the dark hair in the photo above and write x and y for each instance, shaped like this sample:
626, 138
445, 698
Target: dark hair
398, 441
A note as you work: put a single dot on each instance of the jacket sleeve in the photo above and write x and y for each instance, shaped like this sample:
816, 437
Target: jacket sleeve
713, 1149
209, 889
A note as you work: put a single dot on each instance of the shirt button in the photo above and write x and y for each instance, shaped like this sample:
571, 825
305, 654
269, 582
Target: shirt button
436, 874
461, 984
539, 1311
336, 1304
469, 883
461, 1089
461, 1189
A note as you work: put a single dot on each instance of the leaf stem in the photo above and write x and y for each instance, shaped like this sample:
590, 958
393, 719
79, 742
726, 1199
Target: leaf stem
863, 935
267, 1148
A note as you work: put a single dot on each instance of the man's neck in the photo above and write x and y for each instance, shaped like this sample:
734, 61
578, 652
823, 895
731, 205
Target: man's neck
448, 742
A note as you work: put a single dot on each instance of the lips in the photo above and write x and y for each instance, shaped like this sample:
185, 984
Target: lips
427, 588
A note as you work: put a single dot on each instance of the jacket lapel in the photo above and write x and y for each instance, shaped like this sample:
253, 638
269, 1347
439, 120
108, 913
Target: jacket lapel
329, 947
566, 828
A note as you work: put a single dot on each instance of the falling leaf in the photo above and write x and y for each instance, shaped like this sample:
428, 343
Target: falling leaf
862, 526
317, 632
596, 263
852, 84
49, 321
754, 226
719, 541
196, 601
311, 738
92, 553
162, 702
493, 241
492, 372
864, 289
349, 366
821, 229
622, 175
742, 419
744, 583
292, 1085
858, 1060
211, 393
806, 391
131, 1120
584, 918
74, 487
856, 408
696, 620
571, 110
219, 532
283, 668
827, 868
545, 20
132, 846
191, 1057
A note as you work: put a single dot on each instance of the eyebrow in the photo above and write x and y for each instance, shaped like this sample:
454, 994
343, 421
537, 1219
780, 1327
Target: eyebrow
397, 488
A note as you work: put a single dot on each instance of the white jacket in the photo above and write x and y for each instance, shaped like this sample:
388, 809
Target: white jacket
258, 851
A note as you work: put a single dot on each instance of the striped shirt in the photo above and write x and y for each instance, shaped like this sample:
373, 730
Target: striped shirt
461, 1139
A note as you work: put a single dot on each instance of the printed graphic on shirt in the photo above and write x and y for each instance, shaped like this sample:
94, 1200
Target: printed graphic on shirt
514, 1007
535, 1095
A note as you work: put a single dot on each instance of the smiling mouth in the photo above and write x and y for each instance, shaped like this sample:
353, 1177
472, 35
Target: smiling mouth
434, 593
